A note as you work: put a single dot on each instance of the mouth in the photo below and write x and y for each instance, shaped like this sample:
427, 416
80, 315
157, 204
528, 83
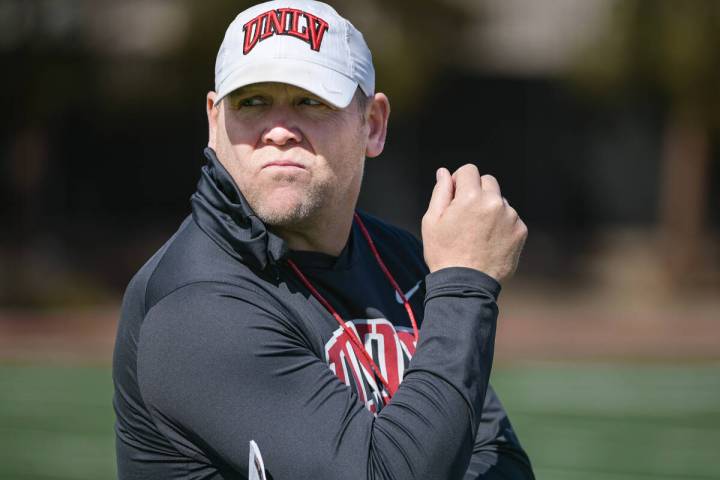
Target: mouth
289, 164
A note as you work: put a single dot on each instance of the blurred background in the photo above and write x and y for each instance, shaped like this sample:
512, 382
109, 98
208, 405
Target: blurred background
600, 118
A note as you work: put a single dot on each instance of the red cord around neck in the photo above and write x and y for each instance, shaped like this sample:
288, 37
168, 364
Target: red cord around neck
348, 331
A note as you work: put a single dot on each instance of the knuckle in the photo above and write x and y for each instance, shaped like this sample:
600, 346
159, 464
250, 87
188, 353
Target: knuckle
471, 196
494, 203
470, 168
523, 229
467, 170
488, 177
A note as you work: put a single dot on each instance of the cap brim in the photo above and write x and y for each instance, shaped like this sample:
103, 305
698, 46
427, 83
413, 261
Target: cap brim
333, 87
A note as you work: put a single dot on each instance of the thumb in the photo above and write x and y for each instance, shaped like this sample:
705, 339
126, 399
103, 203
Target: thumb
442, 194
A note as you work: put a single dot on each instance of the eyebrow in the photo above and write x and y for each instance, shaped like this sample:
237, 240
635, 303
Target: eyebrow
258, 88
244, 90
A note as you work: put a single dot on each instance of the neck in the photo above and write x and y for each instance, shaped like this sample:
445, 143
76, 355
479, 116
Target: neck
327, 237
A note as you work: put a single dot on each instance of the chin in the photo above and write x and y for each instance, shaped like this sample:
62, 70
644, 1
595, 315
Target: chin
280, 213
288, 205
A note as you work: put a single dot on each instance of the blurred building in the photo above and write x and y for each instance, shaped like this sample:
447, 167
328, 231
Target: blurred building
104, 126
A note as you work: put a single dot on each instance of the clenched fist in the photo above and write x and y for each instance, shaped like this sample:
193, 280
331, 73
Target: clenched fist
469, 224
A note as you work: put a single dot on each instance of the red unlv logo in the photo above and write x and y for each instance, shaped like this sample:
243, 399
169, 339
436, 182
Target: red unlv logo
285, 21
390, 348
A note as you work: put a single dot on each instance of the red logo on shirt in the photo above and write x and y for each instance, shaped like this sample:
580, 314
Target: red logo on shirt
390, 347
285, 21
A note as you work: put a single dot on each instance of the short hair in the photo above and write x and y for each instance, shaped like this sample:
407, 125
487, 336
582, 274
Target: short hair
362, 101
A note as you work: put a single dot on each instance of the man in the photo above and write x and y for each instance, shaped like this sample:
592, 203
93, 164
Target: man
278, 314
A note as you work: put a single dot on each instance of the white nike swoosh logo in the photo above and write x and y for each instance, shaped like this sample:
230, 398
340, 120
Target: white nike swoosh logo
408, 294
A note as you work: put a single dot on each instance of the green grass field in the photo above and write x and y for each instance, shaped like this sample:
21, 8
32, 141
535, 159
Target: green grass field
579, 422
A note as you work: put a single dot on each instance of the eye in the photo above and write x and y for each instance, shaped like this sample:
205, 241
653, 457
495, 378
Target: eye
256, 101
312, 102
243, 101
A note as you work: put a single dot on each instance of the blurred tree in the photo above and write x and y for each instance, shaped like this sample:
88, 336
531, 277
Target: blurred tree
669, 49
412, 41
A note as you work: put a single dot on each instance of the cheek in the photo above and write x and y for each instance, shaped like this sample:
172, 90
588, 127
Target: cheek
241, 164
234, 158
344, 146
241, 133
239, 147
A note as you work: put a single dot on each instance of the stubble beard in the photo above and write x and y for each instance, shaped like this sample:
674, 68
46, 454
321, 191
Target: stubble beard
298, 213
308, 210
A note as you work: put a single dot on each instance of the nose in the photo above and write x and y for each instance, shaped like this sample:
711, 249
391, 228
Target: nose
281, 132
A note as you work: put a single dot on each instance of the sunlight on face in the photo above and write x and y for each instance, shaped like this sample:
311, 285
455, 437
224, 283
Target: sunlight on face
294, 157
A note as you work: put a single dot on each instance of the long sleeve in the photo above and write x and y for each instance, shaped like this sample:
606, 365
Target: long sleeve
218, 368
497, 454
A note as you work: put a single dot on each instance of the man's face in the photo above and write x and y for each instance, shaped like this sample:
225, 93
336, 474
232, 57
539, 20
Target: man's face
290, 153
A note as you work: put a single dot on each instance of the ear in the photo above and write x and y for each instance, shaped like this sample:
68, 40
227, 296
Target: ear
377, 120
213, 116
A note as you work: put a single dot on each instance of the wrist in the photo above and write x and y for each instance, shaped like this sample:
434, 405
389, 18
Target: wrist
464, 277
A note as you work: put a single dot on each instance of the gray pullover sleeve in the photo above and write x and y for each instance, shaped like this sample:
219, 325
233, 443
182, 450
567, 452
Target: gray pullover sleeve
218, 368
497, 454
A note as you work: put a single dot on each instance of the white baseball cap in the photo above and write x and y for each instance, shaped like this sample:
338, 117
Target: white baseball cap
304, 43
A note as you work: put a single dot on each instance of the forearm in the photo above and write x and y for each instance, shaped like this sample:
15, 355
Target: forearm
443, 392
219, 370
457, 338
497, 454
499, 465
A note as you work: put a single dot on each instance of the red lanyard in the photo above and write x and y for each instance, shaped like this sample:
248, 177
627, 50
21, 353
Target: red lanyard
352, 335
